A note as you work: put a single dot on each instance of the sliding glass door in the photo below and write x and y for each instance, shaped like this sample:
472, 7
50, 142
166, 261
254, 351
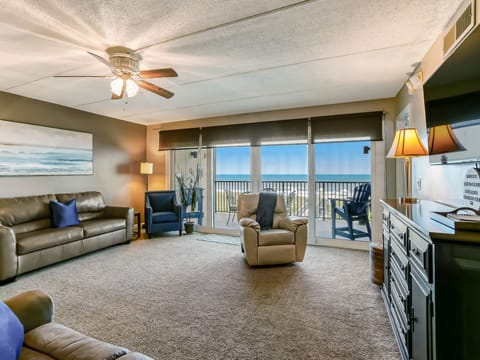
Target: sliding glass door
339, 168
279, 168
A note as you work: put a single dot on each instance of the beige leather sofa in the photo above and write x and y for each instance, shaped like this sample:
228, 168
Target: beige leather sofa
28, 241
47, 340
285, 243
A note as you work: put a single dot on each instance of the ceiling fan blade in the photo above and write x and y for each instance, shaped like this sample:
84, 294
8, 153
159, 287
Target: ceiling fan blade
82, 76
158, 73
122, 94
154, 88
101, 59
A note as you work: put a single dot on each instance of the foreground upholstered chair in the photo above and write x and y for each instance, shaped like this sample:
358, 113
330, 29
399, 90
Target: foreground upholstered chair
45, 339
162, 212
284, 243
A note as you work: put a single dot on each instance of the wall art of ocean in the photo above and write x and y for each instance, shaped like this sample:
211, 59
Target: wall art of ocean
17, 160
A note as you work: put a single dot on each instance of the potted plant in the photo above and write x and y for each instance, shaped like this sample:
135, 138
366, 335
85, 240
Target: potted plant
188, 194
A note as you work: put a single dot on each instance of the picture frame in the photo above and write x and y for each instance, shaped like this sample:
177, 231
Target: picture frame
31, 150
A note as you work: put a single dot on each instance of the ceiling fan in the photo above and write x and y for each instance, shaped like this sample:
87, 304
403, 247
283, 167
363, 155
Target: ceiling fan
124, 64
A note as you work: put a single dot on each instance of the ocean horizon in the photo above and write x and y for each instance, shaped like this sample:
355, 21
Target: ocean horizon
297, 177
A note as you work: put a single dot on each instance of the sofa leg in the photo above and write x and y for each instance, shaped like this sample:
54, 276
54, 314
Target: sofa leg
8, 281
149, 235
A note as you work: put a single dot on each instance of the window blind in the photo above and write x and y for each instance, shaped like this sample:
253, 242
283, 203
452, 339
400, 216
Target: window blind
366, 126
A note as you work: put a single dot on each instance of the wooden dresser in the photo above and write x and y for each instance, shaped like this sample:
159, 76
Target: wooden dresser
431, 284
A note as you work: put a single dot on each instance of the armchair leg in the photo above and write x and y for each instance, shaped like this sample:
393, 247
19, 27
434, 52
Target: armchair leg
334, 226
350, 229
369, 231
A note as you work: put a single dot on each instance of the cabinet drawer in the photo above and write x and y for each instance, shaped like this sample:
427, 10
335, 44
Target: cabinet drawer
399, 231
399, 325
398, 257
385, 218
401, 299
400, 273
421, 254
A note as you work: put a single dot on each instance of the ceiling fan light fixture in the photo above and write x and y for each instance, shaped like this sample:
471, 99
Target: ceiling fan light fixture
131, 88
116, 85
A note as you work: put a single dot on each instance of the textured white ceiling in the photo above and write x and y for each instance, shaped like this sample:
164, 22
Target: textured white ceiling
232, 56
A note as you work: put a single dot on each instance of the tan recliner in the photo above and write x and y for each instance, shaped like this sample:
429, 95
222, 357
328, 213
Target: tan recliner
284, 243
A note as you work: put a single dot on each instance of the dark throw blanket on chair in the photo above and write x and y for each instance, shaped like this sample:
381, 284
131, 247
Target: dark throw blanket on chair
267, 201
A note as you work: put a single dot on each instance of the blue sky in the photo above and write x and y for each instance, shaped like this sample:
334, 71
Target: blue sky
330, 158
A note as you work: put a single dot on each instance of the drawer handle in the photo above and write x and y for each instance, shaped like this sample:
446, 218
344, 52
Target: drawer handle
415, 251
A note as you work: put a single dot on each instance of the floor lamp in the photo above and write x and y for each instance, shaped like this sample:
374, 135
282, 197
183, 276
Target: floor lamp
406, 145
146, 168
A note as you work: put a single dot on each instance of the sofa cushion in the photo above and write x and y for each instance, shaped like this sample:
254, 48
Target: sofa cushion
11, 333
102, 226
23, 209
276, 237
61, 342
164, 216
88, 201
32, 226
46, 238
64, 215
30, 354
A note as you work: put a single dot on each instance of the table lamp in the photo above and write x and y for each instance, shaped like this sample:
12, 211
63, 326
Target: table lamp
406, 145
441, 140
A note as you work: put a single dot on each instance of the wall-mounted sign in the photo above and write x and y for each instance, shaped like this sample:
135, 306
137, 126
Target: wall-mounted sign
471, 192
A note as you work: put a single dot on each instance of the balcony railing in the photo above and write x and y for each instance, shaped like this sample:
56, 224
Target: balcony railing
296, 194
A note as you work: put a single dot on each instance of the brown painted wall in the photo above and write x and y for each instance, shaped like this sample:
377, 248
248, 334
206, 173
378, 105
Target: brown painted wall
118, 148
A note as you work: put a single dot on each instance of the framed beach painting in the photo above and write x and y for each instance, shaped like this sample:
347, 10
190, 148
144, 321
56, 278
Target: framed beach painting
27, 150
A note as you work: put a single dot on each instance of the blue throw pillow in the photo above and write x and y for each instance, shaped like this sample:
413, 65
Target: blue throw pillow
64, 214
11, 333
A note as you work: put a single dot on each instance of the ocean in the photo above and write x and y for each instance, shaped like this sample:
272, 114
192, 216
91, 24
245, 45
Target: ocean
297, 177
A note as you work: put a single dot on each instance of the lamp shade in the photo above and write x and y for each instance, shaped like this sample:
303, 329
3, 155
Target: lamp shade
441, 140
407, 144
146, 168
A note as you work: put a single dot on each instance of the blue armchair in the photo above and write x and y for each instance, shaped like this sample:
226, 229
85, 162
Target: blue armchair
162, 212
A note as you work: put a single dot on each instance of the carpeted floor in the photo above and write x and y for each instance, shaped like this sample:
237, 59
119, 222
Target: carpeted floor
176, 298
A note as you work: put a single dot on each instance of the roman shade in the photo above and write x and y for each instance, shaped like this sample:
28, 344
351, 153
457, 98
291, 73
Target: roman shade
282, 131
365, 126
179, 139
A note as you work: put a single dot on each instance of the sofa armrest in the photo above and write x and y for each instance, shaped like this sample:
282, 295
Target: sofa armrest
292, 223
124, 213
33, 308
134, 356
247, 222
8, 253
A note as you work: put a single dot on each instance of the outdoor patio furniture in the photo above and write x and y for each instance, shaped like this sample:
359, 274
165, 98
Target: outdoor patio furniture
232, 205
353, 209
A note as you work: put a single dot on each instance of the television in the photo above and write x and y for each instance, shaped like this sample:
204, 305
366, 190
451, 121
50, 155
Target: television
452, 96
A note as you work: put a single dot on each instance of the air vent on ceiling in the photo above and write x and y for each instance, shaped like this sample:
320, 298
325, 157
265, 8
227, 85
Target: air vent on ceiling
460, 28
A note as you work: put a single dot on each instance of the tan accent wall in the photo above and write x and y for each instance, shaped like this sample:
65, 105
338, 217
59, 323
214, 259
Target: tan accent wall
118, 149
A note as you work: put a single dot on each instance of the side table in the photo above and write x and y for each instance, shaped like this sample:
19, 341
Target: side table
136, 219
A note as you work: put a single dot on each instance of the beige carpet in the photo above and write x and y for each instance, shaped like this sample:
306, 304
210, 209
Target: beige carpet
178, 298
